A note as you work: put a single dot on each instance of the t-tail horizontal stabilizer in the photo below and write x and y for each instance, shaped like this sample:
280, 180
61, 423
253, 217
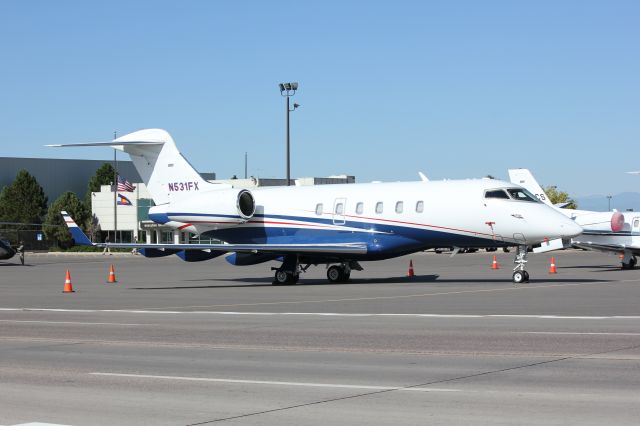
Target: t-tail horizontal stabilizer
78, 236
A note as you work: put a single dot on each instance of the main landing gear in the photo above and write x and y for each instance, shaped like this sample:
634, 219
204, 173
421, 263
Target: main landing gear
289, 272
519, 274
338, 273
342, 272
629, 261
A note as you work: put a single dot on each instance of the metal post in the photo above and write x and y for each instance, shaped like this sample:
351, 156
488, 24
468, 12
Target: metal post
245, 165
609, 202
287, 90
288, 147
115, 193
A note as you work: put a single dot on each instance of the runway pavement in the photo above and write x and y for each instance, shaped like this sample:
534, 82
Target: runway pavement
182, 344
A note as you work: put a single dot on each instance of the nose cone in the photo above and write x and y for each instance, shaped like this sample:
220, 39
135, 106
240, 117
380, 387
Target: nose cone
560, 226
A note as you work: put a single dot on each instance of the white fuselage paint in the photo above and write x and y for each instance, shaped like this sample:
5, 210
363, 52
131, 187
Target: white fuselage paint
456, 212
597, 226
452, 209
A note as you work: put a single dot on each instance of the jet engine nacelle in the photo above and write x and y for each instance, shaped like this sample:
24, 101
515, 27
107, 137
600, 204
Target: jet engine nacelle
617, 222
600, 221
237, 204
219, 209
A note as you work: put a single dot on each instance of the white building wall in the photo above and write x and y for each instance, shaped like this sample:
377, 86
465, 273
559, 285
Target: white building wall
127, 215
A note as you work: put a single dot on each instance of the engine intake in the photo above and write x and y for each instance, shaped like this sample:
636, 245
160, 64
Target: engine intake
246, 204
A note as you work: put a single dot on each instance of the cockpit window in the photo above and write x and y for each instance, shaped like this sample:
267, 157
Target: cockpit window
496, 193
520, 194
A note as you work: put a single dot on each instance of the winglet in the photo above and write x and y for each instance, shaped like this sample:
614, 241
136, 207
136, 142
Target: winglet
78, 236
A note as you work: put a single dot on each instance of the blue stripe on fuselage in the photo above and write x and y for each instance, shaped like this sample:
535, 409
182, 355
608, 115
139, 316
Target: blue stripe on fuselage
379, 237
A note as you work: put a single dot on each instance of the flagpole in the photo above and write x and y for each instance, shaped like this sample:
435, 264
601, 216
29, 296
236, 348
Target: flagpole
115, 192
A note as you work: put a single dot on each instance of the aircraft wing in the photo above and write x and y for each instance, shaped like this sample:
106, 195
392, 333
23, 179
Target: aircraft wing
617, 248
331, 248
347, 248
557, 244
561, 205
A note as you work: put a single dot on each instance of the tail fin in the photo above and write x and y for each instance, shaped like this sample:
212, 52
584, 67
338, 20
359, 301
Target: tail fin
78, 236
524, 178
161, 166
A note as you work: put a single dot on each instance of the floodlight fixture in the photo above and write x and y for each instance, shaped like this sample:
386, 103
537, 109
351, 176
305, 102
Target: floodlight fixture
288, 89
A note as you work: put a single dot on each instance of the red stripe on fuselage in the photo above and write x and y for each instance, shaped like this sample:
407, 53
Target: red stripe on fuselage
350, 216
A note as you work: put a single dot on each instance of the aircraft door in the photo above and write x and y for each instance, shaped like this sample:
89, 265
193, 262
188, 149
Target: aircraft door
339, 209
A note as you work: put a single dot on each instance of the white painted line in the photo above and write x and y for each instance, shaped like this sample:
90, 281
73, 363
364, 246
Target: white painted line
73, 322
264, 382
579, 333
323, 314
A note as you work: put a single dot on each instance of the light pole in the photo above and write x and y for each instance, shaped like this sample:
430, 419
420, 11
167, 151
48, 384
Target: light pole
609, 201
115, 191
287, 90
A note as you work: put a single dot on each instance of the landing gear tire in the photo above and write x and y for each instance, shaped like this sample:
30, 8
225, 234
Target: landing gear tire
632, 263
335, 274
284, 278
519, 277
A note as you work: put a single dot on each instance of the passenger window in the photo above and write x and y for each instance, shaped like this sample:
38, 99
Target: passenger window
498, 193
399, 207
636, 223
359, 208
419, 206
319, 209
379, 207
339, 208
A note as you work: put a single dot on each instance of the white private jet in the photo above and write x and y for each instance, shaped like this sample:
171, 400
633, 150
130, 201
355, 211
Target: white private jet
612, 232
336, 225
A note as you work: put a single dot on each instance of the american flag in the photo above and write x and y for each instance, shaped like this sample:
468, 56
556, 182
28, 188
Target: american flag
125, 185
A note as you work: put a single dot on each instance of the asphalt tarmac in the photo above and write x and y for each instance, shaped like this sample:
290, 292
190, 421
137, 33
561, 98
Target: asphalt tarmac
173, 343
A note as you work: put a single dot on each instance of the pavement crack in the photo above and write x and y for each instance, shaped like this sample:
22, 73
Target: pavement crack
435, 382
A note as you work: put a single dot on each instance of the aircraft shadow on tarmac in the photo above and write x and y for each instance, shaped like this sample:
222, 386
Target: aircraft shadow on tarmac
595, 268
14, 264
418, 279
266, 281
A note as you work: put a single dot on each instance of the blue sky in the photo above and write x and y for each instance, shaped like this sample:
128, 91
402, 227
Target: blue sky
455, 89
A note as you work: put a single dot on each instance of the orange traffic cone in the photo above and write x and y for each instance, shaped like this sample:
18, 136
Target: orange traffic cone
552, 267
494, 264
68, 288
112, 275
410, 272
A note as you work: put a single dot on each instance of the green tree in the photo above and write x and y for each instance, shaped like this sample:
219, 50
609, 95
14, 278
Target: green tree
556, 196
103, 176
56, 229
23, 200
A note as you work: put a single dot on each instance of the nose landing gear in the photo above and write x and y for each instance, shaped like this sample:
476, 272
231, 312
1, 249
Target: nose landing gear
519, 274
